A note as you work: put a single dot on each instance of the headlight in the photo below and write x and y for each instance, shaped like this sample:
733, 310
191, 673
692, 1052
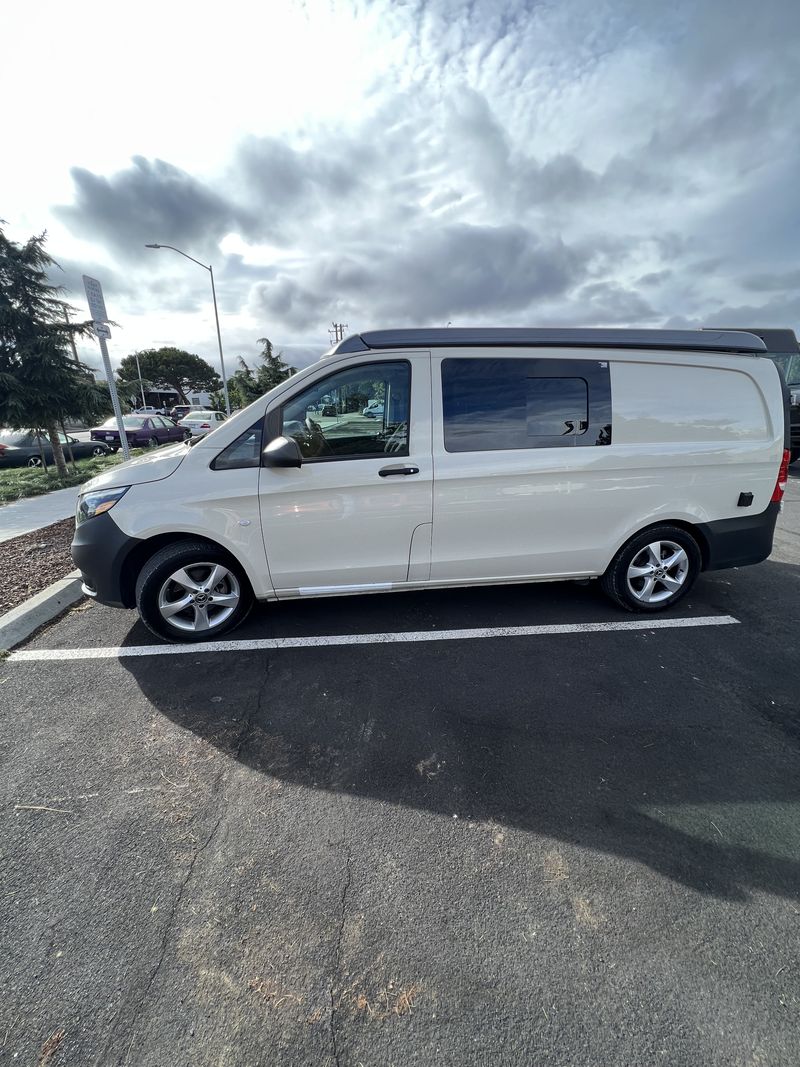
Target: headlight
97, 503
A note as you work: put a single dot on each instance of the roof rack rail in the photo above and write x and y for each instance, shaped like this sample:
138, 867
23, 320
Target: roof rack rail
469, 337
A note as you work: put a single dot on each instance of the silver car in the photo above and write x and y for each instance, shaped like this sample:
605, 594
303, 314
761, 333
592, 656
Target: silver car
202, 422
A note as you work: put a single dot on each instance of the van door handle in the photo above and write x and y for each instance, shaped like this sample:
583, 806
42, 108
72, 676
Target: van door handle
386, 472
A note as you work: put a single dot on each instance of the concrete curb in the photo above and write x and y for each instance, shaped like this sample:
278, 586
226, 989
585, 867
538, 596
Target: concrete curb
19, 623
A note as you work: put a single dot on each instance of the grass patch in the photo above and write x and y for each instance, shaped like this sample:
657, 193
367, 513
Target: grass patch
16, 483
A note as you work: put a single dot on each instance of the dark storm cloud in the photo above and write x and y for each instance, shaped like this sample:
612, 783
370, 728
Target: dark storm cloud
282, 182
432, 276
150, 201
773, 282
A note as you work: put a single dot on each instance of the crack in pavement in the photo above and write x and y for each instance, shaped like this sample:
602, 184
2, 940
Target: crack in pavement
253, 713
168, 928
338, 953
244, 737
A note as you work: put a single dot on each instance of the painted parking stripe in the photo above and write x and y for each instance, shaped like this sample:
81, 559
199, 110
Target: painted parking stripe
277, 643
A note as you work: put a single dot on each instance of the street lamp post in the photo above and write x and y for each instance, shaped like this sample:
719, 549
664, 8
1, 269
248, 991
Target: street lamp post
210, 270
141, 383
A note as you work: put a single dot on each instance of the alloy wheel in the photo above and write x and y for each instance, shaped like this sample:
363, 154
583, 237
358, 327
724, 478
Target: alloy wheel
657, 572
199, 597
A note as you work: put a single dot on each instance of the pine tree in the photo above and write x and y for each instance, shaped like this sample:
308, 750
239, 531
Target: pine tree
41, 384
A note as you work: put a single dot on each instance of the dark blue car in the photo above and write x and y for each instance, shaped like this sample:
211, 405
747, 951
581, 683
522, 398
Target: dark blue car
23, 448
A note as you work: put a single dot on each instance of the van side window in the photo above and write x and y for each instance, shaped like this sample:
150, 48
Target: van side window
356, 413
492, 404
556, 407
245, 451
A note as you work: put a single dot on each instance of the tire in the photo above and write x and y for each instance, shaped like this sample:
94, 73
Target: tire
100, 450
157, 592
644, 591
152, 442
35, 461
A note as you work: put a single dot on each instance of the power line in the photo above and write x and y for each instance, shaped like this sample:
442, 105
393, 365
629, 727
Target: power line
337, 331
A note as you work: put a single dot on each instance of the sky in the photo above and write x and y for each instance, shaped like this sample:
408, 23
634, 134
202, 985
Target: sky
386, 163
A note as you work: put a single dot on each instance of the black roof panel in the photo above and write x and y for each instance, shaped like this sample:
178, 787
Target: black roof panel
524, 337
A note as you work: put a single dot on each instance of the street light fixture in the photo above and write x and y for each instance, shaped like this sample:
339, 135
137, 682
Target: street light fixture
210, 270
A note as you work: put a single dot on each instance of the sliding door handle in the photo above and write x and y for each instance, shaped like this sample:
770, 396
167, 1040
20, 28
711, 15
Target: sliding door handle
387, 472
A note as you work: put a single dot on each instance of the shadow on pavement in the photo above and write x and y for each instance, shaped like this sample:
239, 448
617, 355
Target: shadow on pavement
677, 750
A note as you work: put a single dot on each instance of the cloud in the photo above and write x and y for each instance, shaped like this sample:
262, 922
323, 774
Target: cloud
773, 282
434, 275
150, 201
587, 162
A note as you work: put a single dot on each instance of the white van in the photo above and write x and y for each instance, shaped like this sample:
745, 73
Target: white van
639, 457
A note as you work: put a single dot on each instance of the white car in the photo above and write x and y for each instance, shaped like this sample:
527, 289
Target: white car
374, 409
636, 457
202, 422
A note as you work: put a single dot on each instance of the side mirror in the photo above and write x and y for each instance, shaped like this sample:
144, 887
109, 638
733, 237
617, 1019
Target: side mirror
282, 452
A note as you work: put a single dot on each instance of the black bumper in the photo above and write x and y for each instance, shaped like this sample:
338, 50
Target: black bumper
99, 549
737, 542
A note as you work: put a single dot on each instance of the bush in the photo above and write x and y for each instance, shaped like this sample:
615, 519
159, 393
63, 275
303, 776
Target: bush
19, 482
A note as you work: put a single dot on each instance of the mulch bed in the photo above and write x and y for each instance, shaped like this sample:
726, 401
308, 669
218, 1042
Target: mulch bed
32, 562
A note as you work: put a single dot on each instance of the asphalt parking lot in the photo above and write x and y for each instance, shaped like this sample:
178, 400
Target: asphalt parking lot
578, 846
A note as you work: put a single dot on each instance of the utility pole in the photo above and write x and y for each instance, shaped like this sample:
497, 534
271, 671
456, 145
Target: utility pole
336, 332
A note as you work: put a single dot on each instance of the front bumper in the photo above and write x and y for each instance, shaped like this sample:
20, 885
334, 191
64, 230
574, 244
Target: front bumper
100, 549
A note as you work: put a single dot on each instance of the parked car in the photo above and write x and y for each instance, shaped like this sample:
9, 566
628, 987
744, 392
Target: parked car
20, 448
636, 457
202, 422
374, 409
149, 410
142, 431
180, 411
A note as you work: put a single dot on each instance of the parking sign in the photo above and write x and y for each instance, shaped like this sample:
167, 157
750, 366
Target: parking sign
94, 295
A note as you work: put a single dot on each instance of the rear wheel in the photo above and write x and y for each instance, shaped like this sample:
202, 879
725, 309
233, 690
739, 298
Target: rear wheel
192, 591
152, 442
653, 570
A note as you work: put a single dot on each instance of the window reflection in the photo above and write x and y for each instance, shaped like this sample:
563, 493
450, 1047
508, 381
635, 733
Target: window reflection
355, 413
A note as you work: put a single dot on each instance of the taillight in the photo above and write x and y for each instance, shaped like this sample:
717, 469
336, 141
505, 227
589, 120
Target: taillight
207, 426
2, 449
783, 478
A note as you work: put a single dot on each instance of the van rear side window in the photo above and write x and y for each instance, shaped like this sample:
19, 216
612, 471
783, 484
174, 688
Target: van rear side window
492, 404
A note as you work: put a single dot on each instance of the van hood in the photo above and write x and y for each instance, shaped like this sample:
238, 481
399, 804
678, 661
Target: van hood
152, 467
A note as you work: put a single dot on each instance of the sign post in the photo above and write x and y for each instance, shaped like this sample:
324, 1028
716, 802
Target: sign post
97, 308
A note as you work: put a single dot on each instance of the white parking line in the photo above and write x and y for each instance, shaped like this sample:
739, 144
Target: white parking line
276, 643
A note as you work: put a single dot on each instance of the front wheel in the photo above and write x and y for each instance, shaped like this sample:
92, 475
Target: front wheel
152, 442
99, 450
192, 591
35, 461
653, 570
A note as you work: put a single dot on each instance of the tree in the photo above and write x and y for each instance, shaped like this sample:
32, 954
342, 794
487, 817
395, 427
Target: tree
249, 383
41, 384
173, 368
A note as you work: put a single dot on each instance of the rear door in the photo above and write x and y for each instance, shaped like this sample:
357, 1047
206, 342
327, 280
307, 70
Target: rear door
356, 517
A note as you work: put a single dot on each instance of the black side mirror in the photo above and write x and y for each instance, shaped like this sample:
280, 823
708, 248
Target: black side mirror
282, 452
